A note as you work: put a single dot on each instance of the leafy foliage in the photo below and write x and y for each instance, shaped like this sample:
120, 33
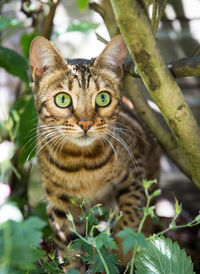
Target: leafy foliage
20, 244
83, 4
6, 23
131, 238
163, 256
82, 26
27, 131
14, 63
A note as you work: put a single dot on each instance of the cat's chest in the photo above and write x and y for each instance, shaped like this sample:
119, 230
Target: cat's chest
83, 177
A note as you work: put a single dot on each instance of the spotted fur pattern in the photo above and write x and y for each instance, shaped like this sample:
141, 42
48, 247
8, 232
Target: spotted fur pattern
103, 165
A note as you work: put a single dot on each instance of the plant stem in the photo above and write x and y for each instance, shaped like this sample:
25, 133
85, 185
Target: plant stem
140, 227
103, 261
145, 212
133, 257
176, 227
93, 245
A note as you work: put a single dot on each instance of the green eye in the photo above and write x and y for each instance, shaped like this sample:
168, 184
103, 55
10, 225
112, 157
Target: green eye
103, 99
63, 100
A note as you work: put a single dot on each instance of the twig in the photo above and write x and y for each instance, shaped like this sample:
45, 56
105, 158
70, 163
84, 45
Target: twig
101, 39
154, 15
180, 68
47, 28
161, 11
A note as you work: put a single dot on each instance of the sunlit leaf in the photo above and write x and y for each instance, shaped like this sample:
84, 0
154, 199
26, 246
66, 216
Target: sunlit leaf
163, 256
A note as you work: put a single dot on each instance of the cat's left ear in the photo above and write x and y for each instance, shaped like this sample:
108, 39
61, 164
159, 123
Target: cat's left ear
43, 57
113, 56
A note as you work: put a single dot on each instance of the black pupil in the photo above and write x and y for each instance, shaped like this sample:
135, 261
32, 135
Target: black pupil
63, 99
103, 97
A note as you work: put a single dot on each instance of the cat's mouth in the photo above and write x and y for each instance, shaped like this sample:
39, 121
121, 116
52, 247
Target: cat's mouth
84, 140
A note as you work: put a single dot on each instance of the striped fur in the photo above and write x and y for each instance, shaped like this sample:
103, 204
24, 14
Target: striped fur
107, 164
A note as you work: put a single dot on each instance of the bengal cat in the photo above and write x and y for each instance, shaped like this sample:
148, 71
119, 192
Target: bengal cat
89, 144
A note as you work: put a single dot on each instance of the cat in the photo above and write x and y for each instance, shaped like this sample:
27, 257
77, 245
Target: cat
90, 145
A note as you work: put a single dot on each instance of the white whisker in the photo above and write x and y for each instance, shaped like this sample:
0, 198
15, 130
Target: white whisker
125, 145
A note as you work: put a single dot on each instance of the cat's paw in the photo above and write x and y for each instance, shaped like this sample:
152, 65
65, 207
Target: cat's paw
77, 264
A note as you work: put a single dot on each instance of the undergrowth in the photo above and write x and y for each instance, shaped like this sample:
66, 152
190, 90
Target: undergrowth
21, 251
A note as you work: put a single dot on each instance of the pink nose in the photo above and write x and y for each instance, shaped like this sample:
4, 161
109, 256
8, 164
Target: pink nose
85, 125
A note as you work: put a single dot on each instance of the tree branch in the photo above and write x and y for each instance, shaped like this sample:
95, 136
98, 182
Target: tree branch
181, 68
47, 28
158, 80
145, 112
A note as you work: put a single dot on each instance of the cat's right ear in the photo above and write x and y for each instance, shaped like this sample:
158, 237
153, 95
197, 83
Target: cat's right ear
43, 57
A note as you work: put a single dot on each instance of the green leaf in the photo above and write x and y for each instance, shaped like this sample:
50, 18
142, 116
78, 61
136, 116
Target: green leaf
148, 184
83, 4
163, 256
73, 271
79, 243
130, 239
12, 22
27, 132
177, 207
14, 63
105, 240
33, 225
25, 42
111, 261
82, 26
19, 242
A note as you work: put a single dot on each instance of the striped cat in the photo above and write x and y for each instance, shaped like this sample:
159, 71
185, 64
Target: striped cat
89, 144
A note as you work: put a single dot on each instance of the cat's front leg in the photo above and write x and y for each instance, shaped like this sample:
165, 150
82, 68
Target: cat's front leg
63, 236
130, 198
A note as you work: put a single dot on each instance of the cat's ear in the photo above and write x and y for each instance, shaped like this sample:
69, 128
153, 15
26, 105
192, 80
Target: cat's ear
43, 57
113, 56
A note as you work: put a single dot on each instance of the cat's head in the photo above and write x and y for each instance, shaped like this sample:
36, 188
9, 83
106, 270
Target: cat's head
79, 98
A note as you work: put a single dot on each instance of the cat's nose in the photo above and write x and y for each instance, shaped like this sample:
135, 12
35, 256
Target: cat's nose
85, 125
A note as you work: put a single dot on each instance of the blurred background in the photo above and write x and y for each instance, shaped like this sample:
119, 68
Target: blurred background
73, 29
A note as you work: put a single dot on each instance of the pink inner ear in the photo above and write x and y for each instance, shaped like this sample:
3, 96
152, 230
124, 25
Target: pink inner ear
39, 71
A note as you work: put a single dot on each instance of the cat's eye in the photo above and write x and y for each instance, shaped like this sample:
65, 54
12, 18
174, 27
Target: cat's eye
63, 100
103, 99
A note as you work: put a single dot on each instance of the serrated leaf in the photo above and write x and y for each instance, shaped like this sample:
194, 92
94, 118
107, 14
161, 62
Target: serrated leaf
23, 238
130, 239
105, 240
32, 230
79, 243
14, 63
163, 256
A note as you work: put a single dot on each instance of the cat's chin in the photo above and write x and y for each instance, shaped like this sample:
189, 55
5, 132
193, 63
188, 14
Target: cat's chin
84, 141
